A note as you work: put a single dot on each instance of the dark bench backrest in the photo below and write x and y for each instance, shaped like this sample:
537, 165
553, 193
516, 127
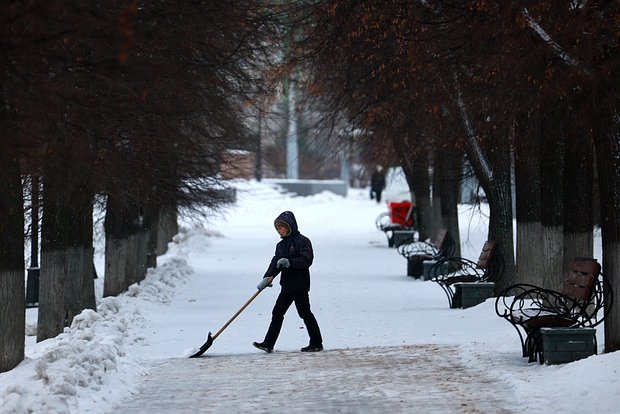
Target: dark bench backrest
491, 262
440, 241
410, 218
444, 243
582, 278
485, 260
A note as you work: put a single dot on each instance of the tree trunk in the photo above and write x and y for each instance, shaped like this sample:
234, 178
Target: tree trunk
578, 182
12, 289
123, 263
499, 194
167, 228
52, 312
492, 168
530, 256
447, 173
116, 251
607, 144
152, 224
438, 221
419, 182
553, 130
88, 272
142, 238
80, 282
74, 268
132, 264
415, 167
62, 289
117, 230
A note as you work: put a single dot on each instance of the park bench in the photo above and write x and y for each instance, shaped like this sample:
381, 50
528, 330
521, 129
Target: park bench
465, 282
420, 254
397, 223
583, 302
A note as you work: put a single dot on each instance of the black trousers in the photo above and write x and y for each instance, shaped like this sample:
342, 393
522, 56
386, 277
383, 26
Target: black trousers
378, 195
302, 303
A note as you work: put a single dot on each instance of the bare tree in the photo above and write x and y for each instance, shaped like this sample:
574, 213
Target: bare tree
133, 100
582, 39
12, 303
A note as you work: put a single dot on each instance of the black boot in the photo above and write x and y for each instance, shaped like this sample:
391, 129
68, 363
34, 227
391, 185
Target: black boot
263, 347
312, 348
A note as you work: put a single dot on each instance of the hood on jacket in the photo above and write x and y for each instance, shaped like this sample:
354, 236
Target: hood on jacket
288, 219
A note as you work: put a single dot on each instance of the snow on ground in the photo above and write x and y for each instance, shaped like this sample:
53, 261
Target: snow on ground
360, 296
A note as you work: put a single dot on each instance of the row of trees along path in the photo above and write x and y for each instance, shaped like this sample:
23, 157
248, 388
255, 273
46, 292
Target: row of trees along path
488, 89
128, 104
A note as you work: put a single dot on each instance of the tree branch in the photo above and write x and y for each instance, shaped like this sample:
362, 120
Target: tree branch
557, 49
476, 154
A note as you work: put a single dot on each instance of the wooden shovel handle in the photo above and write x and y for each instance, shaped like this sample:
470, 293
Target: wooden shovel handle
245, 305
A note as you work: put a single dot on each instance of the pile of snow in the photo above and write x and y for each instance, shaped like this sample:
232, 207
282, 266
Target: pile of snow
88, 364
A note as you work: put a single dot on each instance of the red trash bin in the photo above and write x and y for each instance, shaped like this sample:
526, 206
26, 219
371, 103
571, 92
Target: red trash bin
399, 212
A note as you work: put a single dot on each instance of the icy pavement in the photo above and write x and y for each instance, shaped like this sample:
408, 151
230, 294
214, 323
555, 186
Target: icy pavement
407, 379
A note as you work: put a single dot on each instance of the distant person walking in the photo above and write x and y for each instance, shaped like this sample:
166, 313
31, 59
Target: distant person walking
293, 257
377, 184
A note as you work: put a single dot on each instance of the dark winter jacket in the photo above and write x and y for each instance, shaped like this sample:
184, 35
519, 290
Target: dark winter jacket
297, 248
377, 181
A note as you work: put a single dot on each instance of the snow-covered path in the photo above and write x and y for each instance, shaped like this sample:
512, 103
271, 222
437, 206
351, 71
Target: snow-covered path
375, 360
407, 379
391, 343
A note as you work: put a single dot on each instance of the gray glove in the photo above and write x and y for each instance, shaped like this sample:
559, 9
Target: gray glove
283, 262
264, 283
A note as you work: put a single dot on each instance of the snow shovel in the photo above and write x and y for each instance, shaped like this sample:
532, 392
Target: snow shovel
210, 338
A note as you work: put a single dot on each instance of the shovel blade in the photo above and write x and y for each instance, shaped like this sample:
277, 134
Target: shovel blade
204, 347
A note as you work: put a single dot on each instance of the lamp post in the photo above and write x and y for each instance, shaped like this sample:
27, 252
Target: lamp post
292, 150
258, 169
